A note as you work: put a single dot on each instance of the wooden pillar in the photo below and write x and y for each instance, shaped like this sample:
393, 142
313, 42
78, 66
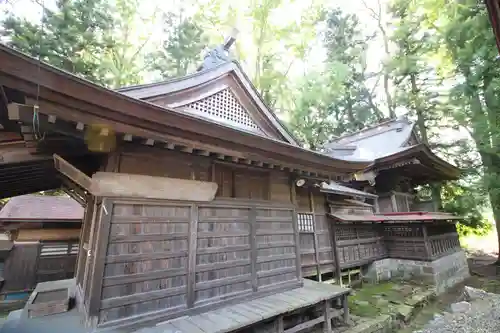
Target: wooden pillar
394, 202
335, 251
327, 325
253, 247
99, 256
315, 236
84, 245
345, 305
358, 244
427, 243
280, 328
293, 199
192, 245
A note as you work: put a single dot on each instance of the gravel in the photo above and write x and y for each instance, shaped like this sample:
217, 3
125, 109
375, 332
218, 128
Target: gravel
482, 317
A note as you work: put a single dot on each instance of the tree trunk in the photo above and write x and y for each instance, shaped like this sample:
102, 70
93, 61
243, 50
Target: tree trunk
436, 187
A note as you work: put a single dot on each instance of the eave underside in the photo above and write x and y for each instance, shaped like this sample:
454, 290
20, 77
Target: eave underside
76, 103
419, 165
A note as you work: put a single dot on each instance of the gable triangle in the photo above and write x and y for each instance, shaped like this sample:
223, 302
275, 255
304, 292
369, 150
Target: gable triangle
224, 107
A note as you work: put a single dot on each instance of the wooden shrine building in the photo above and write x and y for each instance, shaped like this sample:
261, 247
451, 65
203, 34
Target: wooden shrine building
393, 234
45, 232
190, 188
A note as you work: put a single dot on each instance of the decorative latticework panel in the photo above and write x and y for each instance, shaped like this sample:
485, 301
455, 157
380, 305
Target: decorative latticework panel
306, 222
443, 240
223, 106
358, 244
345, 232
403, 231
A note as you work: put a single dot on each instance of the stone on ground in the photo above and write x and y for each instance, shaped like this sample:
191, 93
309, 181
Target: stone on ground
482, 316
461, 307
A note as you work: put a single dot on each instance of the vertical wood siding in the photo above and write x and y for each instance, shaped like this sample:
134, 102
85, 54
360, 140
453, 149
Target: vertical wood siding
25, 267
359, 244
20, 267
174, 256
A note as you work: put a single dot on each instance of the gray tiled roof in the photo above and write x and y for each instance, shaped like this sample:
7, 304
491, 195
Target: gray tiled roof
33, 207
375, 142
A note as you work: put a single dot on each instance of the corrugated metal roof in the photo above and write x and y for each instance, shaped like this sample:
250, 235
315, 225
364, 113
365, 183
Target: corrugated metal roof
33, 207
336, 188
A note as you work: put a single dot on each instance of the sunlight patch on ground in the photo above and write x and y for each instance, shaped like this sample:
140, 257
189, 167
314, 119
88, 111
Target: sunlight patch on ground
487, 243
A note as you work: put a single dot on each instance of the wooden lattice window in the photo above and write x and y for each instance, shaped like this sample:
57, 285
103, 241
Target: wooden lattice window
224, 106
58, 249
345, 232
306, 222
403, 231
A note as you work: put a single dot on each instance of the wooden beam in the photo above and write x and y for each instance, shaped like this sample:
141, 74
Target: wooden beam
280, 328
327, 325
3, 96
202, 152
192, 245
21, 155
187, 149
315, 235
335, 250
345, 305
15, 110
252, 219
295, 225
93, 100
98, 258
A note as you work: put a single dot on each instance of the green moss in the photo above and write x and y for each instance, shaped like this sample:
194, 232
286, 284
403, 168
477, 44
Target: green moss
375, 299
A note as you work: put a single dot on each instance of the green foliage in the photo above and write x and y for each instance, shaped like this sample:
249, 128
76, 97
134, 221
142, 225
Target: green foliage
311, 121
73, 37
336, 100
90, 38
181, 52
442, 69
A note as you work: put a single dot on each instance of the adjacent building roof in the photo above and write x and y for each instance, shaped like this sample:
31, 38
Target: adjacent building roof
336, 188
374, 142
393, 144
38, 207
396, 217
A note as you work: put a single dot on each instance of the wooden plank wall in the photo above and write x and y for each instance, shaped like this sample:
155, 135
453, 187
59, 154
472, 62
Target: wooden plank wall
146, 261
405, 241
359, 244
180, 255
316, 247
20, 267
324, 235
223, 253
24, 267
165, 164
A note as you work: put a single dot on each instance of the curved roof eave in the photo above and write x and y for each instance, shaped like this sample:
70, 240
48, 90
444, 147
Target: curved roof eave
146, 91
123, 109
421, 147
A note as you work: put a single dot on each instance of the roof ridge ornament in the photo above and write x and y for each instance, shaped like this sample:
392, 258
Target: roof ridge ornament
219, 54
